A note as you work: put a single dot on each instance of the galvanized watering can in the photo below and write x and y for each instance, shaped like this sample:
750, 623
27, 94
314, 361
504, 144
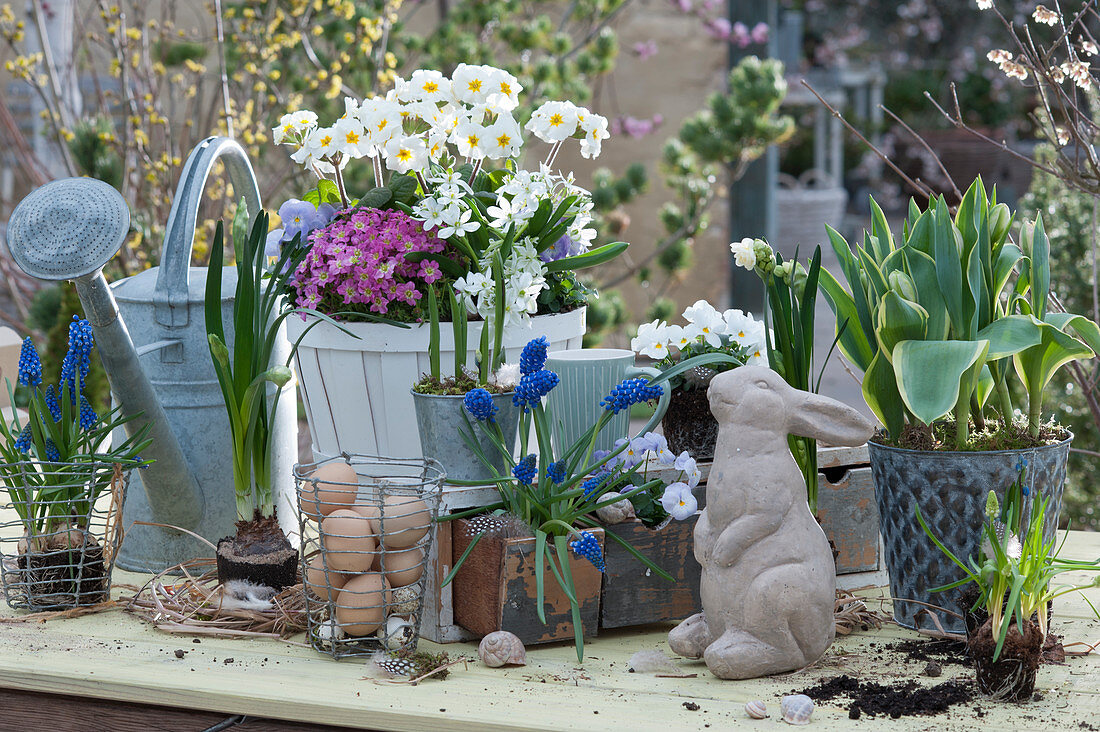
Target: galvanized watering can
151, 337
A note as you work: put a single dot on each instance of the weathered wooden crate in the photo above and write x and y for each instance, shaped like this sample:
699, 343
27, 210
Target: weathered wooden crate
496, 589
633, 594
846, 506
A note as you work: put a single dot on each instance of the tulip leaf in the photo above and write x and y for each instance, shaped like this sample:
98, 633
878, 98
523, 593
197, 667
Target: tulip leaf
922, 270
853, 341
899, 320
880, 391
1010, 334
949, 268
1084, 328
1040, 269
929, 374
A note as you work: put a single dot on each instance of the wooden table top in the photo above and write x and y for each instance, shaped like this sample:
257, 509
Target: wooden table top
115, 656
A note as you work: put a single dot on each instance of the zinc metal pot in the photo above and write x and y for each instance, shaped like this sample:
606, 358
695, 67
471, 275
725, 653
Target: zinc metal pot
441, 421
951, 489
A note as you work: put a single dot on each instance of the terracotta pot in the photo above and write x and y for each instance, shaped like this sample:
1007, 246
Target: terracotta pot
689, 425
496, 589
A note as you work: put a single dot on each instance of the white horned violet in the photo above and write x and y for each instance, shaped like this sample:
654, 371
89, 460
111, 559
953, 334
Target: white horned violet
502, 648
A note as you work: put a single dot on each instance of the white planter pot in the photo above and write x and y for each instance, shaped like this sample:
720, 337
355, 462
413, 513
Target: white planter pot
356, 391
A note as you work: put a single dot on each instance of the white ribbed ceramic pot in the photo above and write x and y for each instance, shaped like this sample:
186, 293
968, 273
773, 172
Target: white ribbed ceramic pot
356, 391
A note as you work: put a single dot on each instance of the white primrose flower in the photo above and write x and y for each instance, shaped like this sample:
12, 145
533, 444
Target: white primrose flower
744, 253
381, 120
679, 501
317, 147
293, 125
503, 138
428, 85
595, 132
554, 121
471, 84
437, 143
406, 153
459, 227
652, 340
471, 139
351, 139
451, 178
503, 91
707, 322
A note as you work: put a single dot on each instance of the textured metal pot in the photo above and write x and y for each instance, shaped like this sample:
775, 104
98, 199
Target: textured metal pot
951, 490
442, 420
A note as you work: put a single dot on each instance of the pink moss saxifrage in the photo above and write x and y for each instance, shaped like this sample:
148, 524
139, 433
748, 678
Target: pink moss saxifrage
360, 259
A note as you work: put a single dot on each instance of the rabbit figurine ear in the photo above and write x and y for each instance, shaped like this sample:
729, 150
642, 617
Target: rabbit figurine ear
812, 415
768, 581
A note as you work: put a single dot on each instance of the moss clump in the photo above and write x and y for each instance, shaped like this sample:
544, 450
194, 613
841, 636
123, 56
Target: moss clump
452, 386
995, 436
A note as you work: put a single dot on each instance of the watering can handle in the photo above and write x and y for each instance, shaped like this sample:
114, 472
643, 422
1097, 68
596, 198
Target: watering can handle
171, 292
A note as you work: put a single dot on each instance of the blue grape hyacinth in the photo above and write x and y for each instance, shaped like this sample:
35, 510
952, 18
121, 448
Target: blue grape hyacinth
88, 417
23, 442
30, 366
593, 484
589, 547
628, 392
74, 369
556, 471
52, 404
532, 388
525, 470
51, 451
479, 403
533, 357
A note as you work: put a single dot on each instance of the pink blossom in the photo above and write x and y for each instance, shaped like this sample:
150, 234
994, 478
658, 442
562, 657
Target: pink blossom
759, 33
719, 28
645, 49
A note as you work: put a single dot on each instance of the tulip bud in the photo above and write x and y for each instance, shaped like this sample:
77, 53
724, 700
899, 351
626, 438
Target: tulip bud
1027, 237
1000, 218
902, 284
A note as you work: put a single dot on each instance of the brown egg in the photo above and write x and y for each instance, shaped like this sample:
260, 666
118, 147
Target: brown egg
404, 521
349, 541
403, 567
361, 604
336, 487
320, 581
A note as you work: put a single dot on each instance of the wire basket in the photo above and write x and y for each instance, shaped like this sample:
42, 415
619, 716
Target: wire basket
365, 548
60, 531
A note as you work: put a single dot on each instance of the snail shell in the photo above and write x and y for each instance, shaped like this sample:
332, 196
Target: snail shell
502, 648
756, 709
796, 709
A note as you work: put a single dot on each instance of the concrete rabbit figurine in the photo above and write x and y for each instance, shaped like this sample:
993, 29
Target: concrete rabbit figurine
768, 580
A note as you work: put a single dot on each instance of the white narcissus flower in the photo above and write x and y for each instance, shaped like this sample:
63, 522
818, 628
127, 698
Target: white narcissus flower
679, 501
505, 213
471, 139
406, 153
707, 321
744, 253
554, 121
503, 138
460, 226
652, 340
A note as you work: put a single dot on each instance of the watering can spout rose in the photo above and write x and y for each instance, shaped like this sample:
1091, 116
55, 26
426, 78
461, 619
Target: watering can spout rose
68, 230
